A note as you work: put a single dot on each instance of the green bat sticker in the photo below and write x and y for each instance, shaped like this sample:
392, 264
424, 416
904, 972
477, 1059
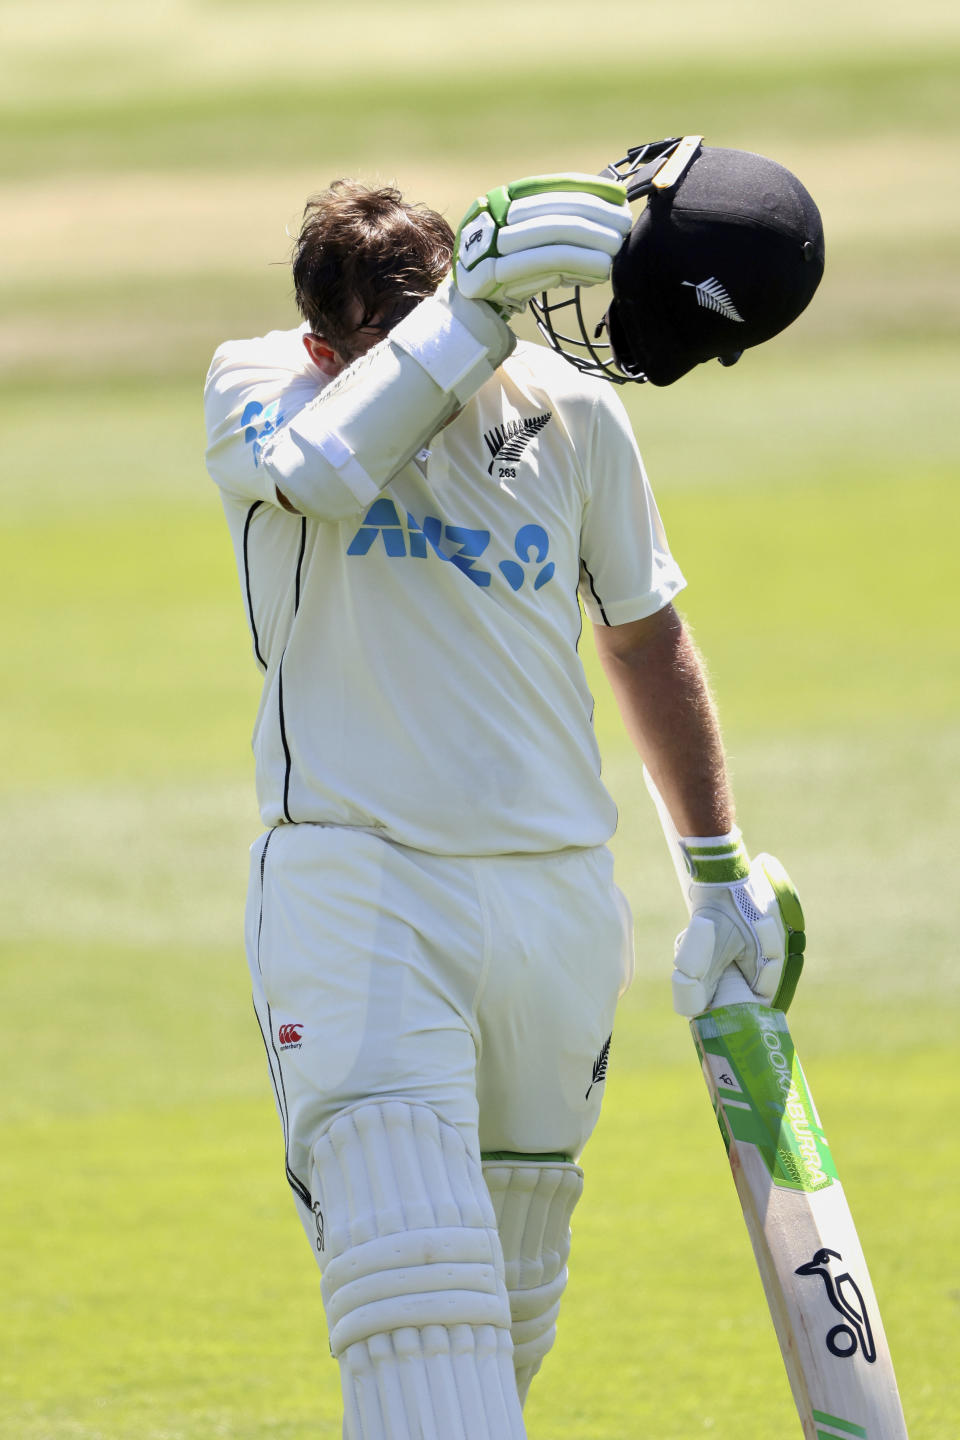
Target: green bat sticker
760, 1093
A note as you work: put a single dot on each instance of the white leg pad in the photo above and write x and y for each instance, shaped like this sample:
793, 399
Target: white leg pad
533, 1203
413, 1280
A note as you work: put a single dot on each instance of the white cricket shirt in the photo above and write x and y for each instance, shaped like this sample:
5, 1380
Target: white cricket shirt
421, 675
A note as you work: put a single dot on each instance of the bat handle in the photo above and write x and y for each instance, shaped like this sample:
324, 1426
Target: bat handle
732, 990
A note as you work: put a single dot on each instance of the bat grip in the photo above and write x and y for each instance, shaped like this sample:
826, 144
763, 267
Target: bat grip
732, 990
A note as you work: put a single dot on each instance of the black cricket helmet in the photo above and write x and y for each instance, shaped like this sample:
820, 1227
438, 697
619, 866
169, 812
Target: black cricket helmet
726, 253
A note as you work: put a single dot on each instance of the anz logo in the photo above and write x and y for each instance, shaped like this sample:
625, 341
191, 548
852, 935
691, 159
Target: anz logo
456, 545
257, 423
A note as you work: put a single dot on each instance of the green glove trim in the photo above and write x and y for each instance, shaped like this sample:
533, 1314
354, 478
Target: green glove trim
791, 913
479, 204
789, 980
498, 203
611, 190
546, 1158
717, 864
787, 897
495, 205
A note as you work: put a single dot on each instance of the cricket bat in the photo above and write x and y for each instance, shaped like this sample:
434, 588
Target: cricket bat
811, 1263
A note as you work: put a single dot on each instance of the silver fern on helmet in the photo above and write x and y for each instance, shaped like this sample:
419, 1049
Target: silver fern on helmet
713, 296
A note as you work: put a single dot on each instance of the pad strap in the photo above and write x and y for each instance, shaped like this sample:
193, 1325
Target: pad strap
453, 339
423, 1277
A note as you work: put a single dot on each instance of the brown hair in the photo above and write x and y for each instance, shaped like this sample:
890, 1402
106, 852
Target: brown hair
366, 246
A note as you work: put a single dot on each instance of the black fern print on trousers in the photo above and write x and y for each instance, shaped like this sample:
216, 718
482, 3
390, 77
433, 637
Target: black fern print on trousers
600, 1066
507, 442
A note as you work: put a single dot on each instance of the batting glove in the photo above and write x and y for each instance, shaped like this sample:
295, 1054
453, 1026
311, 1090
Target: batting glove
539, 234
742, 912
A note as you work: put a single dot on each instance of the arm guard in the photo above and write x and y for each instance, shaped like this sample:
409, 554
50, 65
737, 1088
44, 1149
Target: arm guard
336, 455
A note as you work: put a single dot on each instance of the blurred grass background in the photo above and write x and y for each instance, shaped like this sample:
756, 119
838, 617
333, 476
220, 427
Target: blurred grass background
154, 1279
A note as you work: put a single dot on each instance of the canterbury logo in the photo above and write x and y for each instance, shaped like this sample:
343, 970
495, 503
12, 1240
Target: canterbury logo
290, 1034
712, 296
507, 443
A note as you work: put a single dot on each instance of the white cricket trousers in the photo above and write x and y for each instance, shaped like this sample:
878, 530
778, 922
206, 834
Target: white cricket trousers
481, 987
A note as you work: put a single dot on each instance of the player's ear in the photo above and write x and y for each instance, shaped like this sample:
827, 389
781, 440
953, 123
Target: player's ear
322, 354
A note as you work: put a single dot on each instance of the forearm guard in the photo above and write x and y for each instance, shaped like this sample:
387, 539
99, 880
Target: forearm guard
335, 456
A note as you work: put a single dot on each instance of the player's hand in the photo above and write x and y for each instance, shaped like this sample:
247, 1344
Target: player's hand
539, 234
751, 918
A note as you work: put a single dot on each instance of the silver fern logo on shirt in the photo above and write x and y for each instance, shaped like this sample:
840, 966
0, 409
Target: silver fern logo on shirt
600, 1066
714, 296
508, 441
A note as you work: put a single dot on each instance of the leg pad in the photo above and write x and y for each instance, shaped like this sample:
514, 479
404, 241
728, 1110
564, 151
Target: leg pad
533, 1203
413, 1279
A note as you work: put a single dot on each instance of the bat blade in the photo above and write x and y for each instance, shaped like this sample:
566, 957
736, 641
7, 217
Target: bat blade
811, 1263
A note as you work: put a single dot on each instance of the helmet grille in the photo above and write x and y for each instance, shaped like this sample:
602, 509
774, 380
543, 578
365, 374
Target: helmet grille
563, 323
566, 329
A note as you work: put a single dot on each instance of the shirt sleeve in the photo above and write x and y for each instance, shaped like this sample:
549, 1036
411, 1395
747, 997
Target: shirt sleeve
626, 569
253, 388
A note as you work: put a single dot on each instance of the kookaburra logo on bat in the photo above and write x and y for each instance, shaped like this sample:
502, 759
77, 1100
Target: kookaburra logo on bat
844, 1294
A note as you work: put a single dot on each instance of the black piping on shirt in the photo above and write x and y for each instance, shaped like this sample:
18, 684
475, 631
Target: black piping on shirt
246, 577
593, 592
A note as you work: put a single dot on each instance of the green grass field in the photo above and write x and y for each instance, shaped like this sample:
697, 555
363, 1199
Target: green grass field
155, 1282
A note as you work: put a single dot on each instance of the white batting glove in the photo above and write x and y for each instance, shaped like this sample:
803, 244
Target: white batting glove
540, 233
742, 913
